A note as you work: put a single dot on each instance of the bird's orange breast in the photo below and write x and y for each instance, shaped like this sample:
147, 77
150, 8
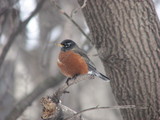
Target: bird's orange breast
72, 64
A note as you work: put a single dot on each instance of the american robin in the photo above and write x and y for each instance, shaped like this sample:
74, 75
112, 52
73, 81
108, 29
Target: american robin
73, 61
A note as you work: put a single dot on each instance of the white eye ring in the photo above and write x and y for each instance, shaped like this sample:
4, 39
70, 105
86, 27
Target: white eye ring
68, 44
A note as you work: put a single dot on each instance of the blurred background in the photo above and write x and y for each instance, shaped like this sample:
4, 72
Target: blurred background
32, 58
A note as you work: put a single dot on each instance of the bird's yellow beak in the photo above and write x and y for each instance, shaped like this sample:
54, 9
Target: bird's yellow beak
60, 45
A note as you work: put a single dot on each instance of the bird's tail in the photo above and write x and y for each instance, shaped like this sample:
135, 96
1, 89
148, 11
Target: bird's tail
100, 75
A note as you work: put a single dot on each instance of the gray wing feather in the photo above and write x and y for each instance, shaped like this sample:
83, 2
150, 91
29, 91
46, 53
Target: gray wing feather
91, 65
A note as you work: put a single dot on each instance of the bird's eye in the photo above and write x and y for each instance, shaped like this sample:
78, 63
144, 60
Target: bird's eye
68, 44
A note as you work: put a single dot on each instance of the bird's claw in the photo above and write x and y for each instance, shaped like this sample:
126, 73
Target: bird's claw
67, 81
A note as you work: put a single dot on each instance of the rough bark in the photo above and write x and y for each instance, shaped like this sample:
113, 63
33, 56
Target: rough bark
126, 34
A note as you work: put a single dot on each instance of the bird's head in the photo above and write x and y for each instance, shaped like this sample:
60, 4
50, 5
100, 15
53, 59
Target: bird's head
67, 45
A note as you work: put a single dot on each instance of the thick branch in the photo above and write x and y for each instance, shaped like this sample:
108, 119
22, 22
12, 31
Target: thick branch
26, 101
51, 105
71, 82
54, 111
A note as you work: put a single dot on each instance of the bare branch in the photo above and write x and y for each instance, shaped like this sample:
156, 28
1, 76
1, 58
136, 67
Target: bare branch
70, 18
49, 111
77, 9
71, 112
108, 108
57, 111
14, 34
63, 89
26, 101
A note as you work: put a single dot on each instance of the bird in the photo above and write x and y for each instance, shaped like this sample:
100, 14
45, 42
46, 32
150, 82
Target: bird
73, 61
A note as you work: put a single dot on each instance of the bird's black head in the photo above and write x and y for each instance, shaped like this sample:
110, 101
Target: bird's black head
67, 45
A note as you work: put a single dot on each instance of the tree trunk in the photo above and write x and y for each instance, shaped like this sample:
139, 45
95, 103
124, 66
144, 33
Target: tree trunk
126, 34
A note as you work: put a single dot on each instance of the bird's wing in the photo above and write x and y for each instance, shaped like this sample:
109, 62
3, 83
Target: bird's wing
90, 64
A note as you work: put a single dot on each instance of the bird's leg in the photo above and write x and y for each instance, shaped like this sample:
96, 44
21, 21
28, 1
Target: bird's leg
75, 76
68, 79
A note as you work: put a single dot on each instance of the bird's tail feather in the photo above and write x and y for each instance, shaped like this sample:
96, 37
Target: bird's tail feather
100, 75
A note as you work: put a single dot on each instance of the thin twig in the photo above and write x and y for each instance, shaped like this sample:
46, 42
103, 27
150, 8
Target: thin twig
15, 33
77, 9
74, 22
71, 112
108, 108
